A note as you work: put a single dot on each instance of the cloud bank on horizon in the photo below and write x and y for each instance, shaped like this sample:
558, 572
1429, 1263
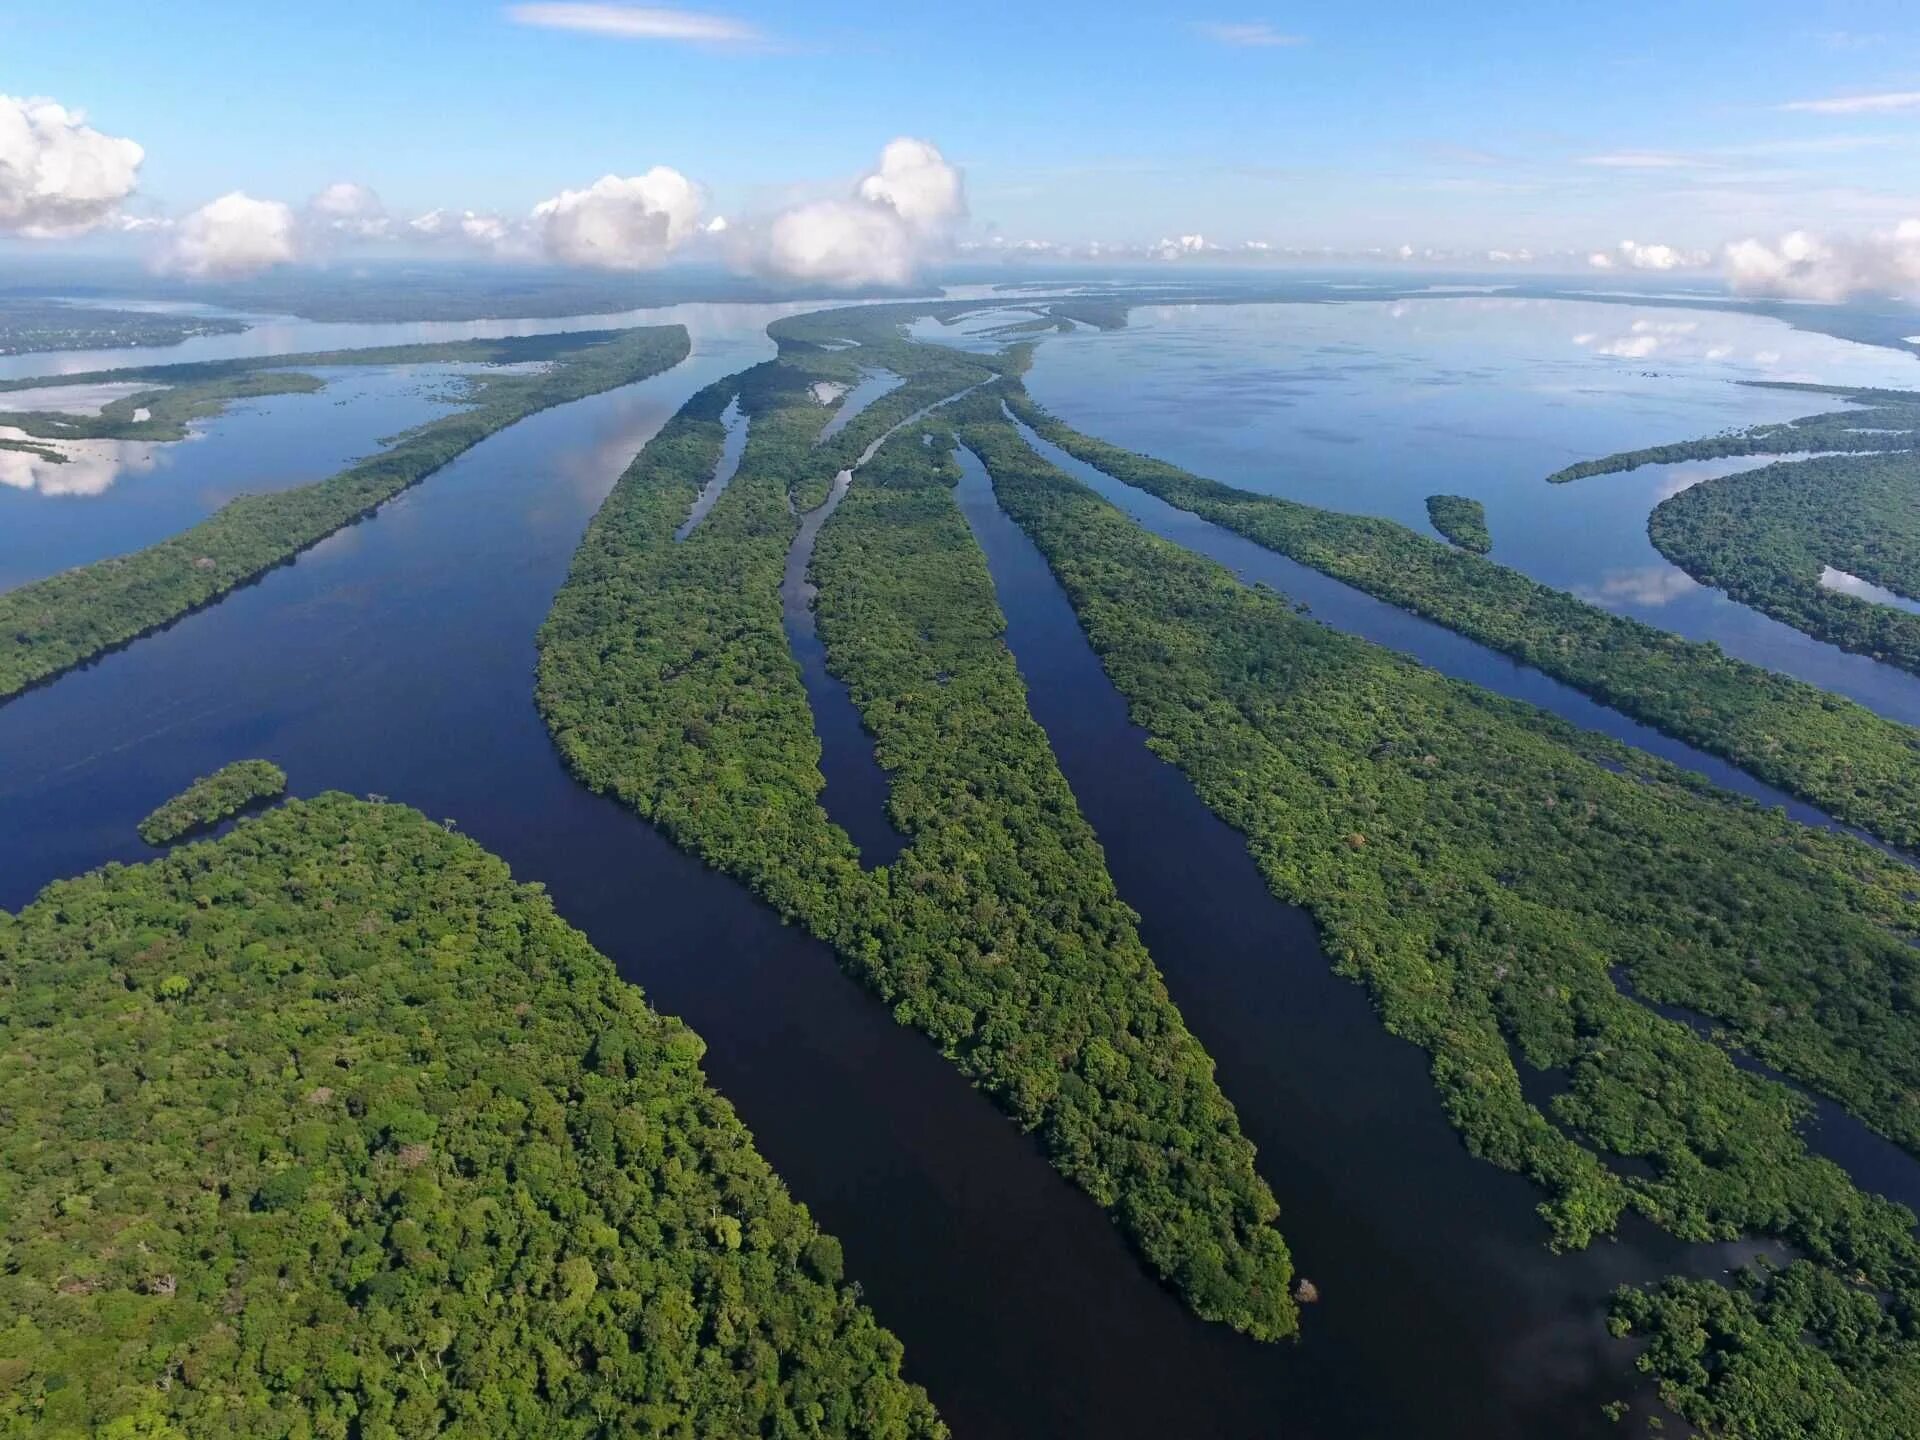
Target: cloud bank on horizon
60, 177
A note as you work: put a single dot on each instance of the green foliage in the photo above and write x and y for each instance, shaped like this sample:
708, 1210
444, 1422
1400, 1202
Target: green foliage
1462, 520
1882, 420
1766, 536
29, 324
666, 678
54, 624
1483, 868
1856, 765
328, 1129
212, 798
1797, 1354
169, 410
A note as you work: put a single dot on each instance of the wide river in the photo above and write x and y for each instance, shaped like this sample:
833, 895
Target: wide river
1371, 406
397, 658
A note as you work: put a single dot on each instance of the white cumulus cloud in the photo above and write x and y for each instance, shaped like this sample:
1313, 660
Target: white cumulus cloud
349, 210
898, 217
474, 227
234, 235
58, 175
621, 223
1804, 266
1632, 255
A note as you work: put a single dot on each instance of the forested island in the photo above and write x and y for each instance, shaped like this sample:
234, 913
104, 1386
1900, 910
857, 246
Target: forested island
1495, 877
666, 678
1853, 763
1462, 520
29, 324
1767, 537
213, 798
329, 1128
1880, 421
54, 624
1485, 869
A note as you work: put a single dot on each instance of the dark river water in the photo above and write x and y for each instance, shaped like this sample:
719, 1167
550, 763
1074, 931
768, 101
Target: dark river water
397, 658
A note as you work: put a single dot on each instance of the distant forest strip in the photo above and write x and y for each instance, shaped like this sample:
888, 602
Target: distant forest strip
1483, 868
1882, 420
30, 324
666, 678
193, 390
1856, 765
329, 1128
213, 798
1766, 537
67, 619
169, 410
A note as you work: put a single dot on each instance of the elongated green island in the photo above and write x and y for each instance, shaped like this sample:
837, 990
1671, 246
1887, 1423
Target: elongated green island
1879, 421
1853, 763
213, 798
1486, 870
666, 678
65, 620
328, 1128
1462, 520
1776, 538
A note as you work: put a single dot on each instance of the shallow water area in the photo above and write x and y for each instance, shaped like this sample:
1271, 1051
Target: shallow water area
72, 399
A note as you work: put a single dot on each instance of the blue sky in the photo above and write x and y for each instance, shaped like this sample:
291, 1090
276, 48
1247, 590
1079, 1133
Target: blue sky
1473, 126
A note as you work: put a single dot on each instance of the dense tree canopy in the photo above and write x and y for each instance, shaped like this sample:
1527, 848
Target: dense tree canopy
1462, 520
1486, 870
1856, 765
54, 624
666, 678
1767, 537
328, 1129
212, 798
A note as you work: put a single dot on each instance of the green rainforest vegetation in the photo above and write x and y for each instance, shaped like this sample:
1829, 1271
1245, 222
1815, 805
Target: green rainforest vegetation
1486, 870
54, 624
29, 323
1461, 520
327, 1128
197, 389
1766, 536
667, 680
212, 798
169, 410
1854, 764
1880, 420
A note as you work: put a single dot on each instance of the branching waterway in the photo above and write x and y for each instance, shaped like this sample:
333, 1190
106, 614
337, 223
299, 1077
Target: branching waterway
1357, 613
1428, 1261
1370, 406
396, 657
856, 789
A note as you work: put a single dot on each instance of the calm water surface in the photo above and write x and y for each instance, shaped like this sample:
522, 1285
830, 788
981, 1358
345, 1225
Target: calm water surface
115, 496
1371, 406
397, 658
